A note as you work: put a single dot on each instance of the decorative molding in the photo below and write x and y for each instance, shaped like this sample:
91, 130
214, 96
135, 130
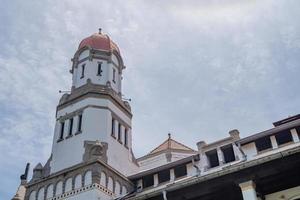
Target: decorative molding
95, 150
95, 166
95, 91
81, 190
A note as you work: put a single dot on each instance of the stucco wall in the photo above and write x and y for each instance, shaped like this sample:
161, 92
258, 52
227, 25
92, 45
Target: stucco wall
96, 125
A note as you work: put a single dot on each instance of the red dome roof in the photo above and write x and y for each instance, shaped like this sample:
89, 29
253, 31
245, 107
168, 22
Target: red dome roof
100, 42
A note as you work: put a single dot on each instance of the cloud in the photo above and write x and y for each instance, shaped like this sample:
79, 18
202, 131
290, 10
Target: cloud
196, 70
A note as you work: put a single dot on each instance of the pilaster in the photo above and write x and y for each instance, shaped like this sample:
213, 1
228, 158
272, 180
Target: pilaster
248, 190
274, 142
295, 135
220, 156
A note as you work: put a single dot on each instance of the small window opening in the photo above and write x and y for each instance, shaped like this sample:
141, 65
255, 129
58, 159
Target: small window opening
213, 158
298, 131
148, 181
79, 123
228, 153
180, 171
99, 71
283, 137
113, 127
263, 143
126, 137
164, 176
62, 128
119, 132
114, 75
82, 70
71, 126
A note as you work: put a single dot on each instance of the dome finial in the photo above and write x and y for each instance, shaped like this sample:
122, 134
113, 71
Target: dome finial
100, 29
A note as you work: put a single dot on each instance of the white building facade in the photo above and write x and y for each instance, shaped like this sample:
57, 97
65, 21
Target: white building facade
92, 154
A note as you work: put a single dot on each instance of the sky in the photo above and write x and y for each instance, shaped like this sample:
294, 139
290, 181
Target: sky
196, 69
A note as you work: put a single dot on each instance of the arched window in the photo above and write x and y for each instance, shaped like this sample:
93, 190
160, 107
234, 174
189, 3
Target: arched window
32, 195
82, 70
41, 194
50, 191
103, 179
59, 186
110, 184
78, 182
68, 185
88, 178
124, 190
99, 70
117, 189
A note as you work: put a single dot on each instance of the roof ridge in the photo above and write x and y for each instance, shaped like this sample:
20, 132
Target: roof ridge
168, 143
182, 145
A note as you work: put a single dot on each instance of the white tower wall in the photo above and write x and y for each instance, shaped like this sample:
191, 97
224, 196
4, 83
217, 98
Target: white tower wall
96, 125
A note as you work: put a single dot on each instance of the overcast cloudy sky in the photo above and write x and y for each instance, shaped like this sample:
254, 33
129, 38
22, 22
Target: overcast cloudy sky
196, 69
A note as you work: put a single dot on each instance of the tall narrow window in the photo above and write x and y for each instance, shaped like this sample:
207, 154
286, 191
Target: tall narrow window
126, 137
114, 75
119, 132
62, 128
79, 123
99, 71
82, 70
71, 126
113, 127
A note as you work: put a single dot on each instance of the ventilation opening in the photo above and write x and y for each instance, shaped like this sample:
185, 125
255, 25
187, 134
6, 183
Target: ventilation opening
148, 181
283, 137
212, 157
228, 153
263, 144
180, 171
164, 176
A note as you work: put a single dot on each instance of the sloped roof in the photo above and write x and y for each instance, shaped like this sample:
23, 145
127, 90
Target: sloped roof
171, 144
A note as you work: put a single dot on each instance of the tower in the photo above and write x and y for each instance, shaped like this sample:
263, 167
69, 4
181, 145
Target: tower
94, 110
92, 150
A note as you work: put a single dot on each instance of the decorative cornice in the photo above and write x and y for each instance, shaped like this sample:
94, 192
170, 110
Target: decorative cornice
78, 167
96, 91
81, 190
165, 152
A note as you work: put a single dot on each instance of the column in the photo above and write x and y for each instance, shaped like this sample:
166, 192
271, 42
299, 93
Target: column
248, 190
155, 180
220, 156
295, 135
237, 152
172, 175
204, 165
274, 142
